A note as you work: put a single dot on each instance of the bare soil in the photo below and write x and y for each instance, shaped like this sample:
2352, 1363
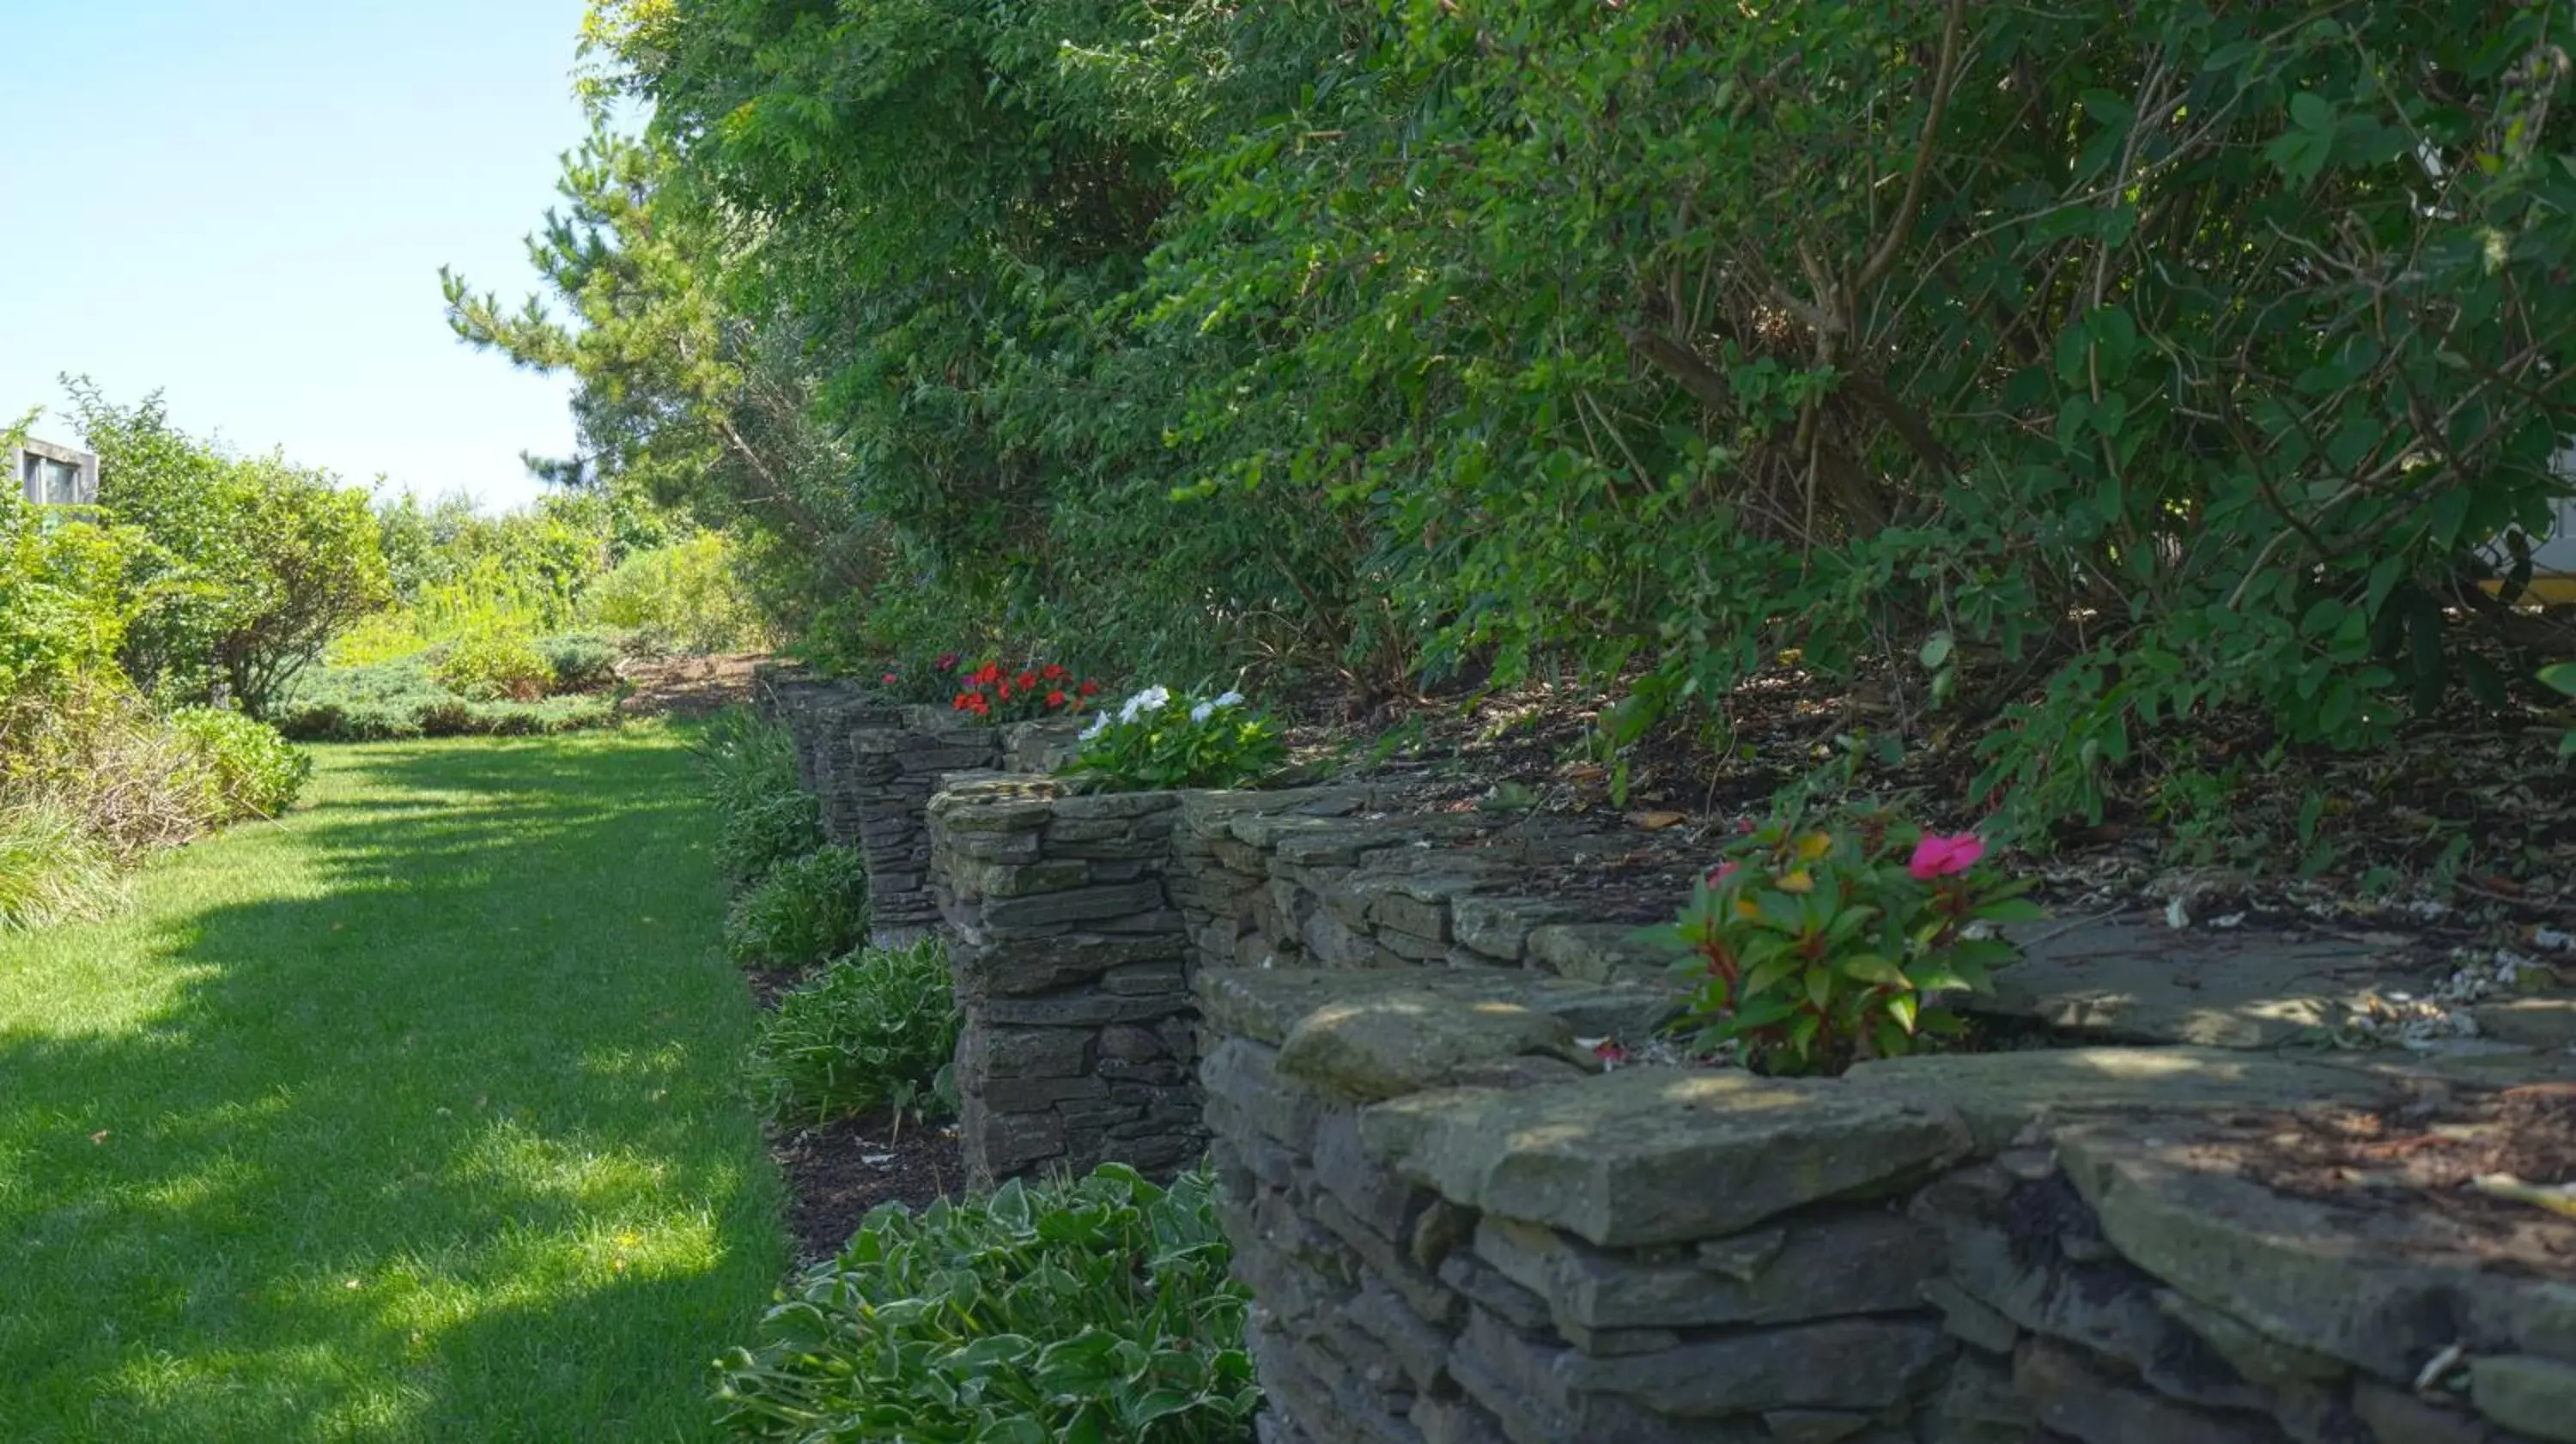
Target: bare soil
837, 1172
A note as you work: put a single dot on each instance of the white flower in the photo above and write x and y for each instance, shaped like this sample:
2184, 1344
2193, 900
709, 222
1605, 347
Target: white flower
1099, 724
1205, 710
1152, 699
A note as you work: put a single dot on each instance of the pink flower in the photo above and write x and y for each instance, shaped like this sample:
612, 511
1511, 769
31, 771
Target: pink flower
1723, 871
1609, 1051
890, 678
1938, 856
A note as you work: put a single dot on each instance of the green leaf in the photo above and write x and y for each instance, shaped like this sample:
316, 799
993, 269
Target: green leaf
1875, 970
2561, 676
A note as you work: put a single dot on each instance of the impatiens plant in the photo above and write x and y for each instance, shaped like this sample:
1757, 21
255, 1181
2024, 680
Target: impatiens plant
1156, 741
1818, 942
1049, 690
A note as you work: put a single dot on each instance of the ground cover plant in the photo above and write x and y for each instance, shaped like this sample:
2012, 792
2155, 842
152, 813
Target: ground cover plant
405, 698
417, 1119
1093, 1309
874, 1030
801, 911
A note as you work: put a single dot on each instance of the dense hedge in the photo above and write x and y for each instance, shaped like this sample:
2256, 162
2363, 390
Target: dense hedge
2088, 365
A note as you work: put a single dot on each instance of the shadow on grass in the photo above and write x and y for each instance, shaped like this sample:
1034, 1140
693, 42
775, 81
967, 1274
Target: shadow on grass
429, 1126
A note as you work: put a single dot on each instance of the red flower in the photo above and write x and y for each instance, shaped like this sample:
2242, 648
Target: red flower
1056, 697
990, 674
965, 701
1938, 856
1006, 691
1054, 672
1028, 681
890, 679
1723, 871
1089, 689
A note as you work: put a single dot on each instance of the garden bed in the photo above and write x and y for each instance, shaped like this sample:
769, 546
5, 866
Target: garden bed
838, 1171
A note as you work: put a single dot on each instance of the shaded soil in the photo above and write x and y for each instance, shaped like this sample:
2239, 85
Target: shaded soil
689, 686
2430, 1152
839, 1171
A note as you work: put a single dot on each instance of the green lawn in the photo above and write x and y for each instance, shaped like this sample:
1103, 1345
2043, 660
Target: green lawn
415, 1116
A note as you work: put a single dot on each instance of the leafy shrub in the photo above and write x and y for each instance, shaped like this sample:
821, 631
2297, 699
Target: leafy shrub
255, 563
495, 667
580, 661
66, 595
53, 868
1154, 742
764, 815
802, 911
689, 591
1816, 944
1097, 1309
874, 1030
249, 769
401, 699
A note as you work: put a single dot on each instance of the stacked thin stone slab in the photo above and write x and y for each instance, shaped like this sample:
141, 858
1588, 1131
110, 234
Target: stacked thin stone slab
1079, 1038
1457, 1232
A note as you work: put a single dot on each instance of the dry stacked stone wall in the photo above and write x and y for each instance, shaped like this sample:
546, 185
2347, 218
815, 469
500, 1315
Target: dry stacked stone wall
874, 766
1079, 1042
1460, 1228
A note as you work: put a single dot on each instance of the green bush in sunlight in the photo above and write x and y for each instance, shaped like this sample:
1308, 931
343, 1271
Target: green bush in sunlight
1095, 1309
874, 1030
747, 773
691, 592
53, 868
802, 911
494, 667
248, 768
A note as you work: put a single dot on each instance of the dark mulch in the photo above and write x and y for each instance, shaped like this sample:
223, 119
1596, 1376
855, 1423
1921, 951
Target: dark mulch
839, 1171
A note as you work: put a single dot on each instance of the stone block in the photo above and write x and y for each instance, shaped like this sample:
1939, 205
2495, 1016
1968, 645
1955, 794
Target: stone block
1028, 1095
1500, 926
1245, 1076
1078, 1010
1032, 1052
1862, 1262
1658, 1155
1397, 1042
2069, 1395
2534, 1395
1059, 911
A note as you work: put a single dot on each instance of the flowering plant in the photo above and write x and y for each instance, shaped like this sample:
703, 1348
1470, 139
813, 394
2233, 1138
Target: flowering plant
1155, 741
1817, 943
1033, 692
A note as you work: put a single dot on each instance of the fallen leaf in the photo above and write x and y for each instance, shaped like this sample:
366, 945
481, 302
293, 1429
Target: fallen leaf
99, 1137
1657, 821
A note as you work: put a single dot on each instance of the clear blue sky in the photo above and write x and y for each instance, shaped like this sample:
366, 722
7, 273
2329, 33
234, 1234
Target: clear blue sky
245, 203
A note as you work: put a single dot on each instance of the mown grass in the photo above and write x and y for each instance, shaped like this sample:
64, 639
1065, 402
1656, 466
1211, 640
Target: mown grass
415, 1116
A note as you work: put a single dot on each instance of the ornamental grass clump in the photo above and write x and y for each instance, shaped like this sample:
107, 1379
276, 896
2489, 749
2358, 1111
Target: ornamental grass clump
1096, 1309
1156, 741
1817, 943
